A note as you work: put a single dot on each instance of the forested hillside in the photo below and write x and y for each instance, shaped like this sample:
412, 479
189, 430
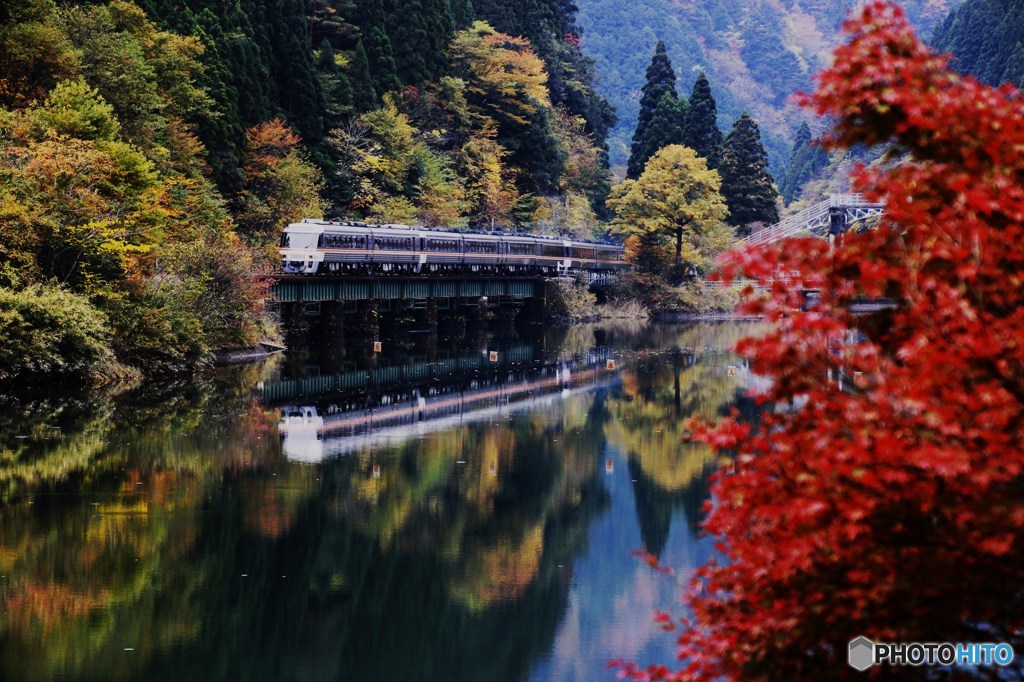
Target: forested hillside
151, 153
755, 53
986, 38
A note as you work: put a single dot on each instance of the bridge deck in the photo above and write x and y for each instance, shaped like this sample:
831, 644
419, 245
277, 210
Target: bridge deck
309, 289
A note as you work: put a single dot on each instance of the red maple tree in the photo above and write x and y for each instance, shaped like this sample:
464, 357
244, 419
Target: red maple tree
882, 494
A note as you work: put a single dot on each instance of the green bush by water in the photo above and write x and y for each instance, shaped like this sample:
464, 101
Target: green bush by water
48, 330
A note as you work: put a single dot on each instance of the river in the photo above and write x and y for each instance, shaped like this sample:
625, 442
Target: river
441, 510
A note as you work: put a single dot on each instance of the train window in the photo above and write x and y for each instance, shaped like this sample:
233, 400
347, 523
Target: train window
393, 243
285, 239
549, 249
480, 246
449, 245
344, 241
521, 248
583, 252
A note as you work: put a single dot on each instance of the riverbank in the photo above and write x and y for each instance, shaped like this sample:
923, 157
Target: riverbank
260, 351
679, 316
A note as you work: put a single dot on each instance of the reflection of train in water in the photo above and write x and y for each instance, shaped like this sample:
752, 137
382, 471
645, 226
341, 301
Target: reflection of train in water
318, 246
346, 424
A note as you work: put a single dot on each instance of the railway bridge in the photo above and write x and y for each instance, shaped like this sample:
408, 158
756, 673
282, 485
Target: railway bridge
360, 303
448, 292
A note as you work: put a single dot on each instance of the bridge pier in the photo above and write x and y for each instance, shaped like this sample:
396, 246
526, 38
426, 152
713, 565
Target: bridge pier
535, 309
358, 305
331, 322
294, 320
365, 322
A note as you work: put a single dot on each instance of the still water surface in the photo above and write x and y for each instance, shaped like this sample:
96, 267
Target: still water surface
430, 513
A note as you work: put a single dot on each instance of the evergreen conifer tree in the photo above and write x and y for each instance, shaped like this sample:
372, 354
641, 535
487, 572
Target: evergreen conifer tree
333, 20
661, 79
420, 31
364, 92
336, 86
701, 133
463, 13
298, 84
664, 128
748, 188
1014, 71
803, 137
807, 161
383, 70
377, 44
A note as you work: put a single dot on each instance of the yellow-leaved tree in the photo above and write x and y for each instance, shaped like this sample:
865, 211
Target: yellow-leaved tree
675, 200
505, 79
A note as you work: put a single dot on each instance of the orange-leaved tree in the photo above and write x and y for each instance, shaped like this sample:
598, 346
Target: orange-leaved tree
882, 495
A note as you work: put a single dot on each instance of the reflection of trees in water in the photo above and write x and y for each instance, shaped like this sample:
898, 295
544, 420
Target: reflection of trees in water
658, 394
434, 570
87, 576
43, 440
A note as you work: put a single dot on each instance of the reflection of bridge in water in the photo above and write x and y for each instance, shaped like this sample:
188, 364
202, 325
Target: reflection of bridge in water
360, 410
324, 416
367, 380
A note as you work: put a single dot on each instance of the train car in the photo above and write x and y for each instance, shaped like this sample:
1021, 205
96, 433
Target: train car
520, 253
441, 251
483, 252
319, 246
394, 248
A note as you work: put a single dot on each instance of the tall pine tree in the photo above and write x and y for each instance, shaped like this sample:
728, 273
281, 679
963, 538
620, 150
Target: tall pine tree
364, 92
377, 44
661, 79
463, 14
419, 31
748, 188
701, 133
664, 128
336, 86
806, 162
298, 84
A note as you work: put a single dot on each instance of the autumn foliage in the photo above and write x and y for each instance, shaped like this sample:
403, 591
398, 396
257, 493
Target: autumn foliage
882, 493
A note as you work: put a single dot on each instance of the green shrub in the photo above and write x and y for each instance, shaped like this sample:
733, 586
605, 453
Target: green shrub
570, 299
660, 296
47, 330
158, 328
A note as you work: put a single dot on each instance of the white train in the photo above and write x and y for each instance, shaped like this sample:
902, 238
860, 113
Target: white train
320, 246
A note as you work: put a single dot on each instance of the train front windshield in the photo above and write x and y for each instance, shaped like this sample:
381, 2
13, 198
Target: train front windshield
300, 240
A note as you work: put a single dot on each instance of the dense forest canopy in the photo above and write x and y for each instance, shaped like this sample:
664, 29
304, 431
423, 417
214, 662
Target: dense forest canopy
986, 38
151, 153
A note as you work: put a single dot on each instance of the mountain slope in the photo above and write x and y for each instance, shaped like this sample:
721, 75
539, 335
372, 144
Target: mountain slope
986, 38
755, 53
